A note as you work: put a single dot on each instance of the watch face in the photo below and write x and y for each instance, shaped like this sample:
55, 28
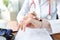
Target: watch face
2, 38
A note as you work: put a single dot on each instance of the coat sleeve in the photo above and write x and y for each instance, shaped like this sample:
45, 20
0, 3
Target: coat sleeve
23, 11
55, 26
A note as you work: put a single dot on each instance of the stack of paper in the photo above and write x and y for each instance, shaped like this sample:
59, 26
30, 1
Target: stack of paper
33, 34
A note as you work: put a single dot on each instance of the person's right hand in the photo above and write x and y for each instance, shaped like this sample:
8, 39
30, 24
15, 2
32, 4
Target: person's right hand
26, 19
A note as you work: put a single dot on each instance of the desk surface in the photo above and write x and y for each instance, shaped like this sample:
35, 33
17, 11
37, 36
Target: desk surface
56, 36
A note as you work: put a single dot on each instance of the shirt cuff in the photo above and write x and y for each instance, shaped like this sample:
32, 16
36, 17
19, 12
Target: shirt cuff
55, 26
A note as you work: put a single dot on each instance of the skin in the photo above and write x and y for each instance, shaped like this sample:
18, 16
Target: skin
32, 21
26, 20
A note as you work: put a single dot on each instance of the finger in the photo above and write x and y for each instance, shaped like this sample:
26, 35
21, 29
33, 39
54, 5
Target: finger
25, 24
34, 14
24, 27
18, 26
21, 27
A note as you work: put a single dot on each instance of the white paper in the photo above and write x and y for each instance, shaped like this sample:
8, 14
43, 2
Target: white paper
33, 34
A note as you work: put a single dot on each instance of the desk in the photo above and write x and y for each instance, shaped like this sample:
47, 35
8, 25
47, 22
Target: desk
56, 36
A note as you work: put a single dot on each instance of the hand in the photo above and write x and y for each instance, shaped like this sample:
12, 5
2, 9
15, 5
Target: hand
46, 24
25, 22
33, 23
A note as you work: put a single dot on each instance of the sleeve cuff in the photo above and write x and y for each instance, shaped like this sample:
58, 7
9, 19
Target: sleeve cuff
55, 26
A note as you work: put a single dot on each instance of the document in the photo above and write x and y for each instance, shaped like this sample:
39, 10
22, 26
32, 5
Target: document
33, 34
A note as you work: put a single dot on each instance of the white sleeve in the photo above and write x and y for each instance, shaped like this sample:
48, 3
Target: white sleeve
23, 11
55, 25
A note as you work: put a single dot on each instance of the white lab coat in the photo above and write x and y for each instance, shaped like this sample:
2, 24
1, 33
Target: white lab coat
42, 8
42, 12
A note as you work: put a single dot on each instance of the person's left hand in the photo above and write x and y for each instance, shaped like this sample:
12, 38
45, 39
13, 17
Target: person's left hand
46, 24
